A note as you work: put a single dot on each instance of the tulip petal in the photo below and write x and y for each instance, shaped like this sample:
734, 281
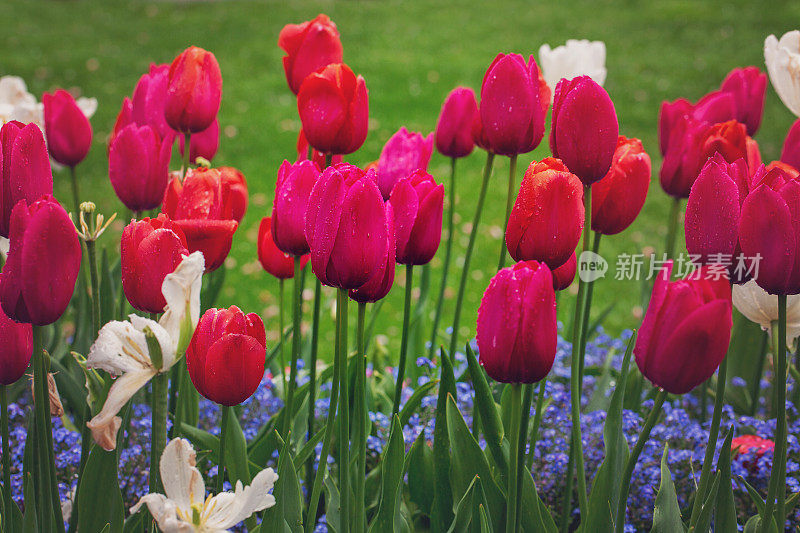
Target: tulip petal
712, 214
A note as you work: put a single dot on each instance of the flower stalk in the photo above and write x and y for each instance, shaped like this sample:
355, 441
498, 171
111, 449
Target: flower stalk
447, 254
512, 171
401, 366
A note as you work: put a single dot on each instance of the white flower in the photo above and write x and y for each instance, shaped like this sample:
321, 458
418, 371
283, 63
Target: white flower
4, 245
121, 347
762, 308
185, 507
16, 103
783, 64
576, 58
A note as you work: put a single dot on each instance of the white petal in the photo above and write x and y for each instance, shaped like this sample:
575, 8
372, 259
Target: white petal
227, 509
168, 343
87, 105
4, 244
14, 91
120, 347
762, 308
575, 58
105, 425
165, 512
181, 290
782, 59
182, 481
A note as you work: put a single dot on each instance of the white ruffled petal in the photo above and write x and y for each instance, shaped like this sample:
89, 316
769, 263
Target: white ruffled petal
782, 59
165, 512
575, 58
181, 290
105, 425
182, 481
165, 340
227, 509
758, 306
120, 347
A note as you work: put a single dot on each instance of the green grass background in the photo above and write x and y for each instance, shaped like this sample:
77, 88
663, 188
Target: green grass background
411, 53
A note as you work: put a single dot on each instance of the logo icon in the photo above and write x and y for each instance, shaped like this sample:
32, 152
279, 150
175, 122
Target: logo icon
591, 266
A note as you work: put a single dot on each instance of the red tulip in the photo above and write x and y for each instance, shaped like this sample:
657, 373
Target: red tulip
150, 249
669, 117
234, 192
716, 106
69, 134
203, 144
381, 280
516, 331
292, 191
138, 166
547, 219
334, 109
226, 355
203, 207
194, 91
729, 139
26, 173
768, 227
418, 203
309, 46
748, 86
684, 156
150, 98
788, 169
791, 146
454, 128
316, 156
618, 198
39, 276
17, 341
753, 154
564, 275
686, 330
514, 102
584, 128
402, 154
274, 261
346, 227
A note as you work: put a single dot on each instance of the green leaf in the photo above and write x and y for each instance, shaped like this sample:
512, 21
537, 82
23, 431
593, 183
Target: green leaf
486, 526
667, 512
212, 284
71, 391
490, 419
15, 515
107, 289
755, 497
202, 440
442, 513
29, 520
99, 499
307, 450
388, 520
467, 508
414, 402
704, 520
725, 512
332, 504
236, 453
421, 474
287, 513
600, 400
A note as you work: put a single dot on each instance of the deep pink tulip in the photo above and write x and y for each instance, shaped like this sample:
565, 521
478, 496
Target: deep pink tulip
564, 275
769, 226
203, 144
234, 192
686, 331
670, 116
69, 134
453, 135
516, 331
618, 198
17, 341
547, 219
749, 87
334, 109
309, 46
194, 91
25, 167
303, 149
791, 146
150, 98
514, 102
418, 203
346, 227
124, 118
403, 153
381, 280
39, 276
292, 191
149, 250
138, 166
683, 158
226, 355
272, 259
716, 106
584, 128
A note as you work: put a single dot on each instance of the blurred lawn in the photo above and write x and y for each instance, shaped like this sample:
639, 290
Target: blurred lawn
411, 54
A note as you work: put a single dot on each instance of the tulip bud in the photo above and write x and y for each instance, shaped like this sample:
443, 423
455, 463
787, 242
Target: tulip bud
203, 208
69, 134
273, 260
149, 101
564, 275
584, 128
309, 46
729, 139
292, 191
716, 106
516, 330
25, 168
686, 330
514, 102
379, 284
346, 227
781, 57
39, 277
124, 118
748, 86
402, 154
203, 144
578, 57
194, 91
418, 203
618, 198
454, 128
547, 219
683, 156
226, 355
150, 249
234, 193
138, 166
17, 341
334, 109
670, 116
791, 146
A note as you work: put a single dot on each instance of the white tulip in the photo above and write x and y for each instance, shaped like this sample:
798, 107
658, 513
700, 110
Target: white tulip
186, 509
762, 308
783, 64
576, 58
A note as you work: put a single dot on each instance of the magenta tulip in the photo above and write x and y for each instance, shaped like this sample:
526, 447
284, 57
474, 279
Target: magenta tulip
380, 282
69, 134
194, 91
670, 116
584, 128
564, 275
418, 203
295, 182
516, 330
138, 166
453, 135
272, 259
203, 144
402, 154
748, 86
39, 277
17, 341
150, 98
124, 118
791, 146
716, 106
686, 331
683, 158
309, 46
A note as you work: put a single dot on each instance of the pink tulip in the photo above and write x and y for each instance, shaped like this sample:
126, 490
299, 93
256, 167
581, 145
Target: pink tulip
295, 182
124, 118
564, 275
404, 153
150, 98
17, 341
418, 203
69, 134
454, 128
309, 46
272, 259
716, 106
791, 146
380, 282
669, 117
683, 157
194, 91
748, 86
138, 166
204, 143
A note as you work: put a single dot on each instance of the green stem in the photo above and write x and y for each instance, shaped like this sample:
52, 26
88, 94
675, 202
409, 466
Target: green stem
513, 478
91, 248
755, 393
360, 399
76, 201
672, 228
186, 152
447, 254
43, 437
401, 367
158, 431
344, 414
527, 397
537, 421
512, 171
588, 309
282, 352
7, 501
625, 485
312, 380
487, 172
297, 317
223, 431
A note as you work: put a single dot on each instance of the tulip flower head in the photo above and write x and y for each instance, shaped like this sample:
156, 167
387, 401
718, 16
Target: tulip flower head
516, 330
194, 91
762, 308
317, 157
790, 154
453, 134
309, 46
295, 182
69, 134
149, 100
749, 87
564, 275
380, 282
185, 508
272, 259
686, 330
17, 341
234, 189
548, 215
782, 58
579, 57
226, 355
138, 166
404, 153
418, 203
